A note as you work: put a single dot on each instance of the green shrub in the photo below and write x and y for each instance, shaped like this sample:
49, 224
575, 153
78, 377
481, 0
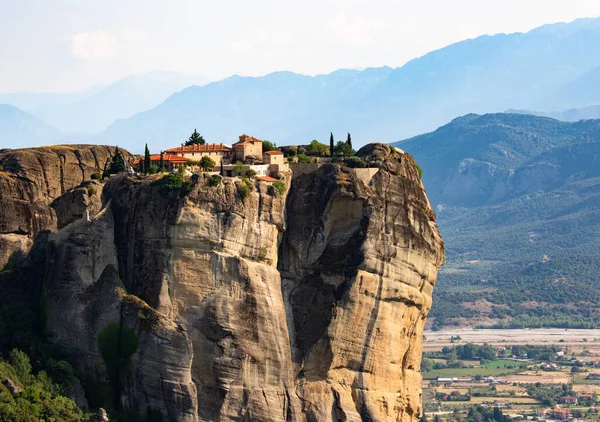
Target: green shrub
214, 180
96, 176
262, 253
169, 182
243, 190
419, 170
117, 343
355, 162
247, 182
90, 190
207, 163
238, 167
280, 186
251, 173
152, 169
302, 158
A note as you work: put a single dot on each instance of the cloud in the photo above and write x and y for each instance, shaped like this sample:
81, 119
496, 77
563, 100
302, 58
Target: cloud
354, 32
94, 45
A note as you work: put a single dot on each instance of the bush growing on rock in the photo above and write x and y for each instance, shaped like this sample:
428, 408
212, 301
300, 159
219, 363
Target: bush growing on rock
214, 180
243, 190
169, 182
280, 186
355, 162
96, 176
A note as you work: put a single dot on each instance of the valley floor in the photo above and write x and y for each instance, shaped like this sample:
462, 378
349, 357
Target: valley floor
435, 340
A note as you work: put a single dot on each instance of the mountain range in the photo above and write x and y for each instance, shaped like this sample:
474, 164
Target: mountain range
570, 115
553, 67
543, 69
18, 127
518, 200
90, 112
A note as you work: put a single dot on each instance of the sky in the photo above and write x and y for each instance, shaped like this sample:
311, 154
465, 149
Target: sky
73, 45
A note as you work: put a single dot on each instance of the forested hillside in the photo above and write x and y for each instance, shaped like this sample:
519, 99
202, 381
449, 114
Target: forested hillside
518, 201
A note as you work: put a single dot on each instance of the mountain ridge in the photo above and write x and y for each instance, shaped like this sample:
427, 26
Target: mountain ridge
517, 199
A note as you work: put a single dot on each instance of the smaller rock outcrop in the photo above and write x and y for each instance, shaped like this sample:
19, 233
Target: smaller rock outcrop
13, 388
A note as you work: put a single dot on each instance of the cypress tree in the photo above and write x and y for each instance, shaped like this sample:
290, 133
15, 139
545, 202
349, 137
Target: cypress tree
349, 140
161, 162
331, 144
147, 161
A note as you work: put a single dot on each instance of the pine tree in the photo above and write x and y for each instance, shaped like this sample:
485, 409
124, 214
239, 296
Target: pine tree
195, 139
147, 160
349, 141
117, 163
331, 146
161, 164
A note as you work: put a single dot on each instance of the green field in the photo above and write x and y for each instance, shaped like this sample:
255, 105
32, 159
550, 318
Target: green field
484, 371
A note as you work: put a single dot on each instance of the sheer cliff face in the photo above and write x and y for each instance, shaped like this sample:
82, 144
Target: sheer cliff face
31, 180
358, 261
304, 306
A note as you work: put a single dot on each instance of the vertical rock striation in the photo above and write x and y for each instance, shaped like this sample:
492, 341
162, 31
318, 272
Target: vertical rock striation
303, 306
358, 262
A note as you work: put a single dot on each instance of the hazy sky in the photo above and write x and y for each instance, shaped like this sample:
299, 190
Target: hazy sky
69, 45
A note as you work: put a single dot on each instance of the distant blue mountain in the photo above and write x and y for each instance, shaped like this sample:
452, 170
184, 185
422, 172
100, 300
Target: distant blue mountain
20, 129
535, 70
92, 111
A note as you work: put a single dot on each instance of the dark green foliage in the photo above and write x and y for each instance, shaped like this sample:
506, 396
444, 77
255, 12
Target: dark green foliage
152, 169
355, 162
317, 148
170, 182
268, 146
195, 139
214, 180
349, 140
343, 149
96, 176
528, 230
302, 158
243, 190
331, 144
207, 163
291, 151
247, 182
1, 168
280, 186
161, 163
238, 167
117, 164
117, 343
147, 161
91, 191
250, 173
40, 398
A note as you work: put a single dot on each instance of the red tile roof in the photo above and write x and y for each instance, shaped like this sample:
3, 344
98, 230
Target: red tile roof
245, 140
266, 179
274, 152
166, 157
201, 148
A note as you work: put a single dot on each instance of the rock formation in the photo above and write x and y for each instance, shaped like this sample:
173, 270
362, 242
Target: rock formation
303, 306
32, 178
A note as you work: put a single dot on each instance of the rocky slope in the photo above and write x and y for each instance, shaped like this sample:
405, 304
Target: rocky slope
302, 306
32, 178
